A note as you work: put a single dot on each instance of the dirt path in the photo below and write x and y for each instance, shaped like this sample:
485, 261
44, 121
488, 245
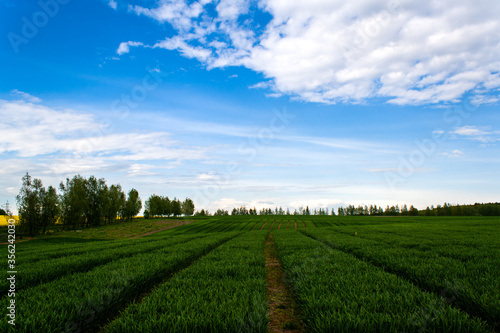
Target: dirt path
296, 225
288, 225
177, 224
279, 227
263, 225
271, 226
283, 314
18, 240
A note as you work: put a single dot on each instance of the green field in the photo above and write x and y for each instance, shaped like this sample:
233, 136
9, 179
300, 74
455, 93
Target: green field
346, 274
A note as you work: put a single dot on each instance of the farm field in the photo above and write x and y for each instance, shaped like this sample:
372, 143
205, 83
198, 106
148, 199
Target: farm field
211, 274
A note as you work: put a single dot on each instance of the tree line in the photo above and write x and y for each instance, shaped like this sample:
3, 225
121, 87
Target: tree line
268, 211
478, 209
161, 206
82, 203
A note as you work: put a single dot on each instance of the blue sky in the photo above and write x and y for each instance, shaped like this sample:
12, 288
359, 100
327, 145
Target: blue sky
258, 103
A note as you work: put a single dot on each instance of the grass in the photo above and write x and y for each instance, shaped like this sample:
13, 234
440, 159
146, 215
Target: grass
338, 292
120, 230
224, 291
349, 274
66, 304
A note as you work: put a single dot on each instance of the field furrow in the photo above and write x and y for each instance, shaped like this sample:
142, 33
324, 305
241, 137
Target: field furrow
473, 286
339, 293
83, 301
225, 291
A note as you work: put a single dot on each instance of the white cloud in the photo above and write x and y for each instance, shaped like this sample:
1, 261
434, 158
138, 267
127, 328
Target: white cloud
113, 4
227, 203
68, 141
470, 131
232, 9
454, 154
336, 51
207, 176
482, 134
125, 47
184, 48
25, 96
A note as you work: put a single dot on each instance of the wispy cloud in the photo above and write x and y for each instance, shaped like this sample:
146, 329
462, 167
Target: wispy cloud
71, 141
482, 134
454, 154
25, 96
124, 47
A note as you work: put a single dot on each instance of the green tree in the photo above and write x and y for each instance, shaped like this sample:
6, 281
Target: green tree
132, 206
166, 206
404, 210
50, 208
158, 206
413, 211
150, 206
188, 207
113, 202
176, 207
74, 202
29, 203
96, 199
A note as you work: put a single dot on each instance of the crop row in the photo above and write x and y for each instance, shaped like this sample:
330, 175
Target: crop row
83, 301
473, 285
454, 245
224, 291
441, 233
61, 251
339, 293
47, 270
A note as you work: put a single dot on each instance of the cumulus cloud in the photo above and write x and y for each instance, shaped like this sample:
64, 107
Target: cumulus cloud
336, 51
125, 47
113, 4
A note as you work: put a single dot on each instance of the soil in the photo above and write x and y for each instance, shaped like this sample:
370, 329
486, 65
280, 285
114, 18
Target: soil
284, 315
25, 239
